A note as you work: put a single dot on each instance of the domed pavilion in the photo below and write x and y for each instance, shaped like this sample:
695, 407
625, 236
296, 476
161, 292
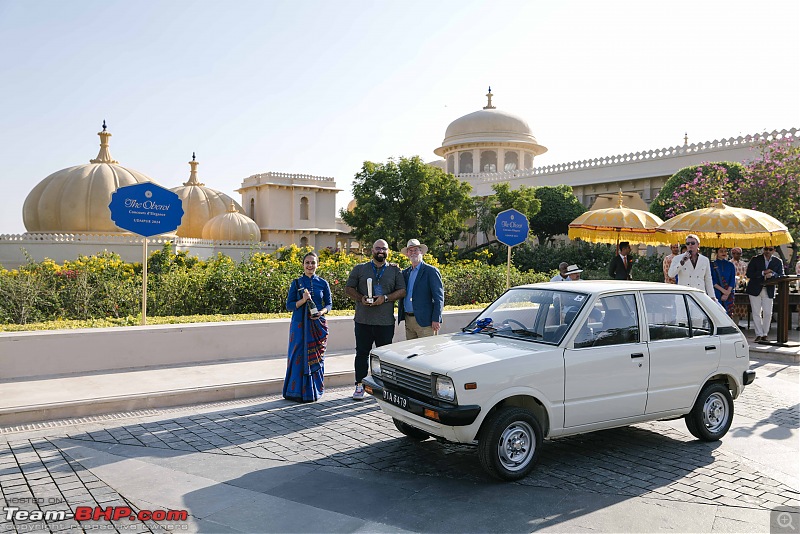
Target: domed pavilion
232, 226
201, 204
489, 141
76, 199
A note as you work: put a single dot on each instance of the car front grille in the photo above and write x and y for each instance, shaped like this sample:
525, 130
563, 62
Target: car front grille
406, 379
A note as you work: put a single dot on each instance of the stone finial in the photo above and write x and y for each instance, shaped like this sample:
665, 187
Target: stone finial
232, 207
619, 200
104, 156
489, 96
193, 174
685, 138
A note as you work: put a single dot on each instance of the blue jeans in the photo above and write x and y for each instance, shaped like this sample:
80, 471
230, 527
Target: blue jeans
366, 335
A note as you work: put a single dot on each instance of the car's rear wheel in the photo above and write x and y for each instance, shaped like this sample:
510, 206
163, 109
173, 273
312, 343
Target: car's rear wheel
712, 414
410, 431
510, 443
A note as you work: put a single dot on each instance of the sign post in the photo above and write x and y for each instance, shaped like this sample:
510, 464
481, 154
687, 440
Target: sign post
511, 228
146, 209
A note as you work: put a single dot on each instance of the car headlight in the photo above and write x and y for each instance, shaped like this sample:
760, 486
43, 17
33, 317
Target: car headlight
375, 365
445, 388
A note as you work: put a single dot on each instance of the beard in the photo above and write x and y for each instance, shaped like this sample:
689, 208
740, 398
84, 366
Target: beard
379, 256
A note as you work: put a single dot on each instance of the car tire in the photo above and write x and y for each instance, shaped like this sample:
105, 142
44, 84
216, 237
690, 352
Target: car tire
413, 433
510, 443
712, 414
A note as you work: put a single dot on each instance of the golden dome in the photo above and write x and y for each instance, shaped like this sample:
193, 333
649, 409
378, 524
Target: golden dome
490, 125
232, 226
351, 205
200, 204
76, 199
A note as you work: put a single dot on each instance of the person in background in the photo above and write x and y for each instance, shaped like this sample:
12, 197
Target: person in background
621, 265
723, 276
692, 268
668, 261
573, 273
562, 271
309, 299
422, 306
374, 321
762, 268
739, 264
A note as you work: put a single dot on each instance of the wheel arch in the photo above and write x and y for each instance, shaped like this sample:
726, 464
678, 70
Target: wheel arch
726, 379
521, 400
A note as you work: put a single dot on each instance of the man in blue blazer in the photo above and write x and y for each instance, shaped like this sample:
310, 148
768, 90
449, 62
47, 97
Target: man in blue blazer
422, 306
759, 270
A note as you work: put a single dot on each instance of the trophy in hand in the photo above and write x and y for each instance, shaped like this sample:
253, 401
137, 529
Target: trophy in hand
370, 298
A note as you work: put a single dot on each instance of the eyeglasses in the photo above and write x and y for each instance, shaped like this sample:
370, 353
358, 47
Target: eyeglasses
770, 249
380, 249
691, 242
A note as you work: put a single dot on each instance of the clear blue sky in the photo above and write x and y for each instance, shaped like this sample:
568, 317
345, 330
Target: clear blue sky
317, 87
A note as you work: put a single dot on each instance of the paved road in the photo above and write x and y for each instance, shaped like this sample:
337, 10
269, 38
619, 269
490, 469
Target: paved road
268, 465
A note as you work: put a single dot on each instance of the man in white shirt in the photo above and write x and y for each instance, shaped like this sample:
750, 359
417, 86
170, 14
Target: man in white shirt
693, 269
562, 272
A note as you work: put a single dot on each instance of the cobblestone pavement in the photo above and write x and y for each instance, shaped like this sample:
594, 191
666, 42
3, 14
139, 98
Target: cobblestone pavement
649, 460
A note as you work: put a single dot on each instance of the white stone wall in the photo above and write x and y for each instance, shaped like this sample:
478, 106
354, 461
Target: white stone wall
62, 247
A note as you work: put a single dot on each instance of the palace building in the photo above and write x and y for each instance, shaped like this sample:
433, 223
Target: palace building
66, 214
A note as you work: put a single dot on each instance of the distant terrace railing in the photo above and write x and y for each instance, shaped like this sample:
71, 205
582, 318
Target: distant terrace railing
636, 157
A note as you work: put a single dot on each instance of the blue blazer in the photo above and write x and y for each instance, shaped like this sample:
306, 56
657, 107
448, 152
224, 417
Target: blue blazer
755, 280
428, 295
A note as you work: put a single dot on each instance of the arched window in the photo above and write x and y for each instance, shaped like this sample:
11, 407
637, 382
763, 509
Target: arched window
512, 161
528, 160
465, 162
304, 241
304, 209
451, 164
253, 209
488, 161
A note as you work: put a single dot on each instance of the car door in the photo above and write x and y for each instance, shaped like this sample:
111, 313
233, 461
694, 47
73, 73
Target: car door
683, 351
607, 364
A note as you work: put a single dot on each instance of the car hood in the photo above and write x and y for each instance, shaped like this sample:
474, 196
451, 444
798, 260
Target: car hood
452, 352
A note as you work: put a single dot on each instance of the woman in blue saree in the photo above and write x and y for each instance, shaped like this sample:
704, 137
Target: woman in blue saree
723, 277
309, 300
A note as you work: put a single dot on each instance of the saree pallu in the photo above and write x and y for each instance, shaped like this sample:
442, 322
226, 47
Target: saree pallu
305, 368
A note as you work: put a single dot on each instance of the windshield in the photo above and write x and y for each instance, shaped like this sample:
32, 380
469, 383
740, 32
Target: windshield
541, 315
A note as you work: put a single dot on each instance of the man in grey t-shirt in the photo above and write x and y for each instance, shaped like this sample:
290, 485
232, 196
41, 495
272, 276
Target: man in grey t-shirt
374, 321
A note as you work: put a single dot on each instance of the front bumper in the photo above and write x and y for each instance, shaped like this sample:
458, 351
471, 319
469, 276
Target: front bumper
449, 416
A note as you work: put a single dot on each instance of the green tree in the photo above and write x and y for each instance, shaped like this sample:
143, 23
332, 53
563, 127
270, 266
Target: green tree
404, 199
559, 207
523, 200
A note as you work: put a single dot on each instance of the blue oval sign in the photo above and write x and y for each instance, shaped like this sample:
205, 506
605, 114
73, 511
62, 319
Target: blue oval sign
146, 209
511, 227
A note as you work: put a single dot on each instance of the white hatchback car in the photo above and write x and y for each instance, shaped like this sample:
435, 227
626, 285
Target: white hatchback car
561, 358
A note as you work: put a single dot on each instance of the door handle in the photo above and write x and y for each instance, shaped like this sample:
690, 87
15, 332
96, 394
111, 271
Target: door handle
637, 355
711, 347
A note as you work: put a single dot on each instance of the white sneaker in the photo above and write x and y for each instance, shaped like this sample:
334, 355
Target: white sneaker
358, 394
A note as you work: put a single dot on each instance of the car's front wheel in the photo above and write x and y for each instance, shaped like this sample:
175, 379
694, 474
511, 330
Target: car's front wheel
510, 442
712, 414
410, 431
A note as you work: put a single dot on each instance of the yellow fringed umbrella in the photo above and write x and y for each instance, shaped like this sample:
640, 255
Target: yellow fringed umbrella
726, 226
612, 225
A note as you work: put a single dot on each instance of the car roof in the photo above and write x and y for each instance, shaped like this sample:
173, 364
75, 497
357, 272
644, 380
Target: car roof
603, 286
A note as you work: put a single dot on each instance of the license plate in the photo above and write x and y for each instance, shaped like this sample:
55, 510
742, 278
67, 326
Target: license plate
394, 398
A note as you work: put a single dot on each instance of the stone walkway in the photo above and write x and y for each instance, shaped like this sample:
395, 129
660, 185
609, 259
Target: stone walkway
654, 461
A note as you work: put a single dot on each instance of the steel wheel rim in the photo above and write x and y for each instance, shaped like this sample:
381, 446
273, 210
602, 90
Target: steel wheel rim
516, 446
715, 412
